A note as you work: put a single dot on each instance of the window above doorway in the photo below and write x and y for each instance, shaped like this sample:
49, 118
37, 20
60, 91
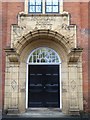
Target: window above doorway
52, 6
43, 6
44, 55
34, 6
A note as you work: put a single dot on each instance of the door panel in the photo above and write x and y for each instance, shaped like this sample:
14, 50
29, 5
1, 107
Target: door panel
43, 86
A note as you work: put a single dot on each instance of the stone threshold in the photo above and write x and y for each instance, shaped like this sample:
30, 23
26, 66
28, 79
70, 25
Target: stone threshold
44, 113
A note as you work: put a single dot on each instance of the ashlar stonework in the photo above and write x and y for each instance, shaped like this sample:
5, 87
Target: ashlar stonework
52, 31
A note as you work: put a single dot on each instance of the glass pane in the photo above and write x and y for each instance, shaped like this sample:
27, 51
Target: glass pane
55, 2
38, 2
48, 2
34, 58
43, 60
30, 59
55, 8
32, 9
35, 53
48, 8
32, 2
38, 8
44, 55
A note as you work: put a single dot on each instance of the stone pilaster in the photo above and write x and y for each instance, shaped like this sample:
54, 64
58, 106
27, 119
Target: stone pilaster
11, 81
73, 69
73, 96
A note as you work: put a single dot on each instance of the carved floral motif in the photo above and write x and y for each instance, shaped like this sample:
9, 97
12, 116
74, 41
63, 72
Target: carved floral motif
59, 24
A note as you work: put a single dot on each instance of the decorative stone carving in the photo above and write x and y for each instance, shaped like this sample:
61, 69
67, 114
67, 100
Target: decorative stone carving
44, 23
59, 23
14, 84
73, 84
65, 27
68, 32
17, 31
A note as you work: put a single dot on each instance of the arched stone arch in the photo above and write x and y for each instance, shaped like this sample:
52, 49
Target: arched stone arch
44, 42
42, 35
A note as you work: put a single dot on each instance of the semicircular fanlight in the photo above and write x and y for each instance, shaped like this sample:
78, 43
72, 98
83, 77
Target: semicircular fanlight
44, 55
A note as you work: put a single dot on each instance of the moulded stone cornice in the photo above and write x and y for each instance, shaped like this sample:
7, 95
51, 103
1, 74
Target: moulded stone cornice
64, 13
12, 55
74, 54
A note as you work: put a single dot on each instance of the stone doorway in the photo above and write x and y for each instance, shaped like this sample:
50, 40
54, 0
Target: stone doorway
44, 83
16, 78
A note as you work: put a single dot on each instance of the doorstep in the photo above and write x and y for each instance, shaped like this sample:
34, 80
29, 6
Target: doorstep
43, 114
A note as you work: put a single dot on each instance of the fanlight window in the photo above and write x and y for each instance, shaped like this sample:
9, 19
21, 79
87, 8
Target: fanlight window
44, 55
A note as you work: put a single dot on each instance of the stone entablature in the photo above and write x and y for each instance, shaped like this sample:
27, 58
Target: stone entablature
57, 23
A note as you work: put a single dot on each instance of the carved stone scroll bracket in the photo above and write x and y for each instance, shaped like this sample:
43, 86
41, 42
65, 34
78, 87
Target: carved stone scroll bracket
74, 54
12, 55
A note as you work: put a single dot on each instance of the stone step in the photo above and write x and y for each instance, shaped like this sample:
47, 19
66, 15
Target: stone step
44, 114
12, 117
72, 118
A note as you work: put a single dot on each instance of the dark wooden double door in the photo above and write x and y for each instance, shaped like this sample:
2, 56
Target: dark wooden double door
43, 86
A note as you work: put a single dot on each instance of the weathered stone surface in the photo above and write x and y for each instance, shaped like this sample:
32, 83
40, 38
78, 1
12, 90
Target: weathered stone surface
58, 23
38, 31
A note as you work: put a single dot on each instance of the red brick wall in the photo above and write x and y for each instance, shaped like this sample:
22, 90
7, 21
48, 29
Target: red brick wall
9, 16
0, 56
89, 54
4, 30
79, 16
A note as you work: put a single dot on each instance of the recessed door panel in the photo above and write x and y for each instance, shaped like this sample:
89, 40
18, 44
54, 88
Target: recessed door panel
43, 86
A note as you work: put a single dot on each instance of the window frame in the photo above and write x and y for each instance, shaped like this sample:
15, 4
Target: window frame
44, 53
35, 5
43, 8
52, 5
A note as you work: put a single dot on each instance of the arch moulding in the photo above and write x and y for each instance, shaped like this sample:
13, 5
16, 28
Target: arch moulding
40, 35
